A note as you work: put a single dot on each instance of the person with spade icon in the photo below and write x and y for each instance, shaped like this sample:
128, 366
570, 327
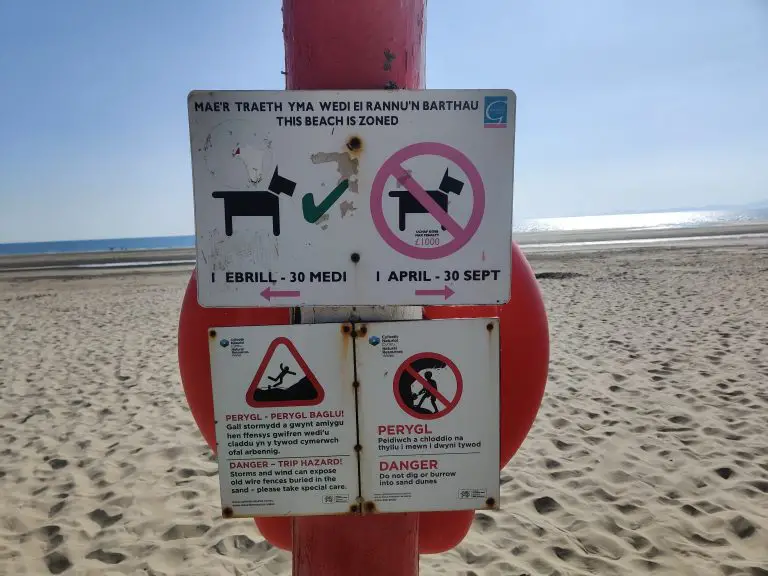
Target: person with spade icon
423, 394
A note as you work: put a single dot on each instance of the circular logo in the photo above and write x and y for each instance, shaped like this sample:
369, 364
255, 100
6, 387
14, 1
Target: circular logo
374, 340
224, 342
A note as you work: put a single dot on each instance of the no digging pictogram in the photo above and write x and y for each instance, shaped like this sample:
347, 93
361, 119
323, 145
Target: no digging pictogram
393, 167
283, 379
428, 386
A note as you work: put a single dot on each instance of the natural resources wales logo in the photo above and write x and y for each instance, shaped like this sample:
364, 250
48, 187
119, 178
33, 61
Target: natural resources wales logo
495, 112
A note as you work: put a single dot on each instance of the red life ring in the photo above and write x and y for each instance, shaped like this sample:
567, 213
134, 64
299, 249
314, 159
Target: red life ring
524, 342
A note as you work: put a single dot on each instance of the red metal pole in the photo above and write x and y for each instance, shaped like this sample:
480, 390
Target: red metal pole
354, 44
337, 45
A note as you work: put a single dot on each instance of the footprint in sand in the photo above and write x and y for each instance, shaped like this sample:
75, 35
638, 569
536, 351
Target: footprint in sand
545, 505
103, 519
106, 557
180, 531
57, 562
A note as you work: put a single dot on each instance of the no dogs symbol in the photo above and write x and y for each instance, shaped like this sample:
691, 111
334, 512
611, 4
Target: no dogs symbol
415, 199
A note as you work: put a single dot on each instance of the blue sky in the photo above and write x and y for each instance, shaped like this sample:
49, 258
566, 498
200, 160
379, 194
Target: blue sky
622, 105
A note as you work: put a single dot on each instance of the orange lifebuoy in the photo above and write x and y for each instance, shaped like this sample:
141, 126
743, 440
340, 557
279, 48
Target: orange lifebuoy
524, 341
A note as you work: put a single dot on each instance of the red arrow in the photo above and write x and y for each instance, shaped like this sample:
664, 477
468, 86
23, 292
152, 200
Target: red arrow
445, 292
268, 293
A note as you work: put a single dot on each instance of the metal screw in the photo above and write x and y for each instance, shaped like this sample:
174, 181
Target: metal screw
355, 384
490, 502
355, 257
354, 333
370, 507
358, 448
353, 508
489, 326
212, 333
346, 328
227, 512
363, 330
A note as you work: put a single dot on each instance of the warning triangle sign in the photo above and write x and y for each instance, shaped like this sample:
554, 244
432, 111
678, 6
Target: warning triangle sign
283, 379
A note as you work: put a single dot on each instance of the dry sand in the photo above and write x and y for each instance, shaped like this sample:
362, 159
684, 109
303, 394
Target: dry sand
649, 456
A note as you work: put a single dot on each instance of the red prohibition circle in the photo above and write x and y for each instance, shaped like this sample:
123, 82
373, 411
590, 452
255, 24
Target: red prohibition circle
448, 405
393, 167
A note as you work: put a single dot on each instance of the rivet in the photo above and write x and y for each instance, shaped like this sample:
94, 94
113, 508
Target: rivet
227, 512
355, 257
212, 333
490, 503
489, 326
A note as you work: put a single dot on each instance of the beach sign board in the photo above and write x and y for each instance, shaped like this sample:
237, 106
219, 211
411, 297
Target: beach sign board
285, 420
430, 415
360, 197
296, 436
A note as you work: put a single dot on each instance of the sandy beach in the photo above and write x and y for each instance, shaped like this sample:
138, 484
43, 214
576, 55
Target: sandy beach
649, 455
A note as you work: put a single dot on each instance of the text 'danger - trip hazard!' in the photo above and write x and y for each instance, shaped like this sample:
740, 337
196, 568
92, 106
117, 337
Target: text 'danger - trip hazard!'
352, 197
293, 440
285, 425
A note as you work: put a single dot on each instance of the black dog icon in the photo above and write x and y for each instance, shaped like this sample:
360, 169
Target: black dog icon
409, 205
257, 202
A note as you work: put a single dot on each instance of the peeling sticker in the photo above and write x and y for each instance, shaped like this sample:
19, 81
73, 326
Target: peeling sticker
347, 167
323, 221
347, 207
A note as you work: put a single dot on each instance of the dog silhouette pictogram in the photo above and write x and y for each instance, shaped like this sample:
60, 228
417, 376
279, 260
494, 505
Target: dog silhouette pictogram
256, 202
407, 204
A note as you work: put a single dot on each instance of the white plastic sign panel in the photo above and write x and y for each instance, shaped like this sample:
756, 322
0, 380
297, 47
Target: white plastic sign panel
429, 415
285, 419
389, 197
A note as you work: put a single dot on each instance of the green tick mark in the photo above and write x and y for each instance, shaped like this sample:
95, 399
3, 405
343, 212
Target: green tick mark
313, 213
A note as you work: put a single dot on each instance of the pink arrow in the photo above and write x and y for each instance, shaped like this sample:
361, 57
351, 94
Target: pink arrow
445, 292
268, 293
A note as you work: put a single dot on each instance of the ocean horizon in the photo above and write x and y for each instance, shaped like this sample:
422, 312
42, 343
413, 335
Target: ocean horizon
650, 221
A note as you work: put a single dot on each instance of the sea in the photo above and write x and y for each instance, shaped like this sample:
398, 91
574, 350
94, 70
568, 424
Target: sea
650, 221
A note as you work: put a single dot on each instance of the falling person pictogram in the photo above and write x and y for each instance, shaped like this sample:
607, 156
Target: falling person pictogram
284, 371
284, 380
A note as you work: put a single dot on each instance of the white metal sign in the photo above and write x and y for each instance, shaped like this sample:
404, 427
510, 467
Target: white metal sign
429, 413
353, 197
285, 420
